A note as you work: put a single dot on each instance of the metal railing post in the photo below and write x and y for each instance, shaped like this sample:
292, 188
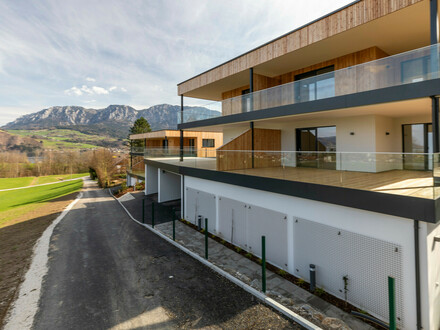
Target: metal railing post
263, 264
152, 214
174, 229
206, 238
392, 302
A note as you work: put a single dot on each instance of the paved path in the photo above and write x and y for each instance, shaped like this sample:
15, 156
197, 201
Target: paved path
106, 272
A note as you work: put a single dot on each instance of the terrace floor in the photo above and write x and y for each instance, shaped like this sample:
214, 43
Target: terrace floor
399, 182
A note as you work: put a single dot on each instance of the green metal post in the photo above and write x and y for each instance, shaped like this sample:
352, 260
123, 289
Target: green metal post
143, 210
174, 229
392, 302
263, 263
152, 214
206, 238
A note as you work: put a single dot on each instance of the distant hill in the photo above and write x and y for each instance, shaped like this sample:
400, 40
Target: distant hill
9, 142
114, 121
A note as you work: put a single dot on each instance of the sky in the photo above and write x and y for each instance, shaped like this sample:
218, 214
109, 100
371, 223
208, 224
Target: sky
95, 53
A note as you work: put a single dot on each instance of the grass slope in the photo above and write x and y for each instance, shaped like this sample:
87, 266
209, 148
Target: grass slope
17, 202
66, 138
7, 183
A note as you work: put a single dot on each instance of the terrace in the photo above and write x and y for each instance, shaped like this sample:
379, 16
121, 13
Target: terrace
402, 174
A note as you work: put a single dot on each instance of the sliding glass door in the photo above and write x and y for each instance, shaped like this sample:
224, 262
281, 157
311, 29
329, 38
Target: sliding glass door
417, 139
316, 147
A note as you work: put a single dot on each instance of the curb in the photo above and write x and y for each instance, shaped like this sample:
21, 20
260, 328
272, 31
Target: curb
269, 301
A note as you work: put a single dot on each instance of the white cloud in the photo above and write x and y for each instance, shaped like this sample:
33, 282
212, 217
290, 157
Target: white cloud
99, 90
111, 89
73, 91
90, 79
124, 89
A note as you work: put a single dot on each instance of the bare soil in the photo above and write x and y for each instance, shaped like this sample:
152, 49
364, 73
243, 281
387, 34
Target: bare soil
17, 240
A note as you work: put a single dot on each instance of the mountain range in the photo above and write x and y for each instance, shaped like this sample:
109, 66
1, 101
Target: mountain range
114, 120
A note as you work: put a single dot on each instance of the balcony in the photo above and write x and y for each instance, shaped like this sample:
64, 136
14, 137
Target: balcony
410, 67
403, 174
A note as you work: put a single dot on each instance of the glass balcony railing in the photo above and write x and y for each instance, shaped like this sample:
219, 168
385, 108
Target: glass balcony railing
405, 68
393, 173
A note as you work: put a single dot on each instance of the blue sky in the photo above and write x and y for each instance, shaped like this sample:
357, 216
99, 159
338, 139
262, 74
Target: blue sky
94, 53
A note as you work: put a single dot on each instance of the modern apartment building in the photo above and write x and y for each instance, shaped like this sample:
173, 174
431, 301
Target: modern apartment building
331, 150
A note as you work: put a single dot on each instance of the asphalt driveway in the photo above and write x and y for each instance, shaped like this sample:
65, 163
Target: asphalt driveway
106, 272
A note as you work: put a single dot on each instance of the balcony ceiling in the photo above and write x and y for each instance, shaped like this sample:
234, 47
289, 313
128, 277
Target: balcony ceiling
400, 31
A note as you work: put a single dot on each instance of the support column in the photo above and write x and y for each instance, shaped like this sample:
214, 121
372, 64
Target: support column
433, 11
435, 124
434, 38
252, 142
181, 131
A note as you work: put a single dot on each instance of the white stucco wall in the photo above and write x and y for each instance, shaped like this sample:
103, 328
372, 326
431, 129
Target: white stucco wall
388, 228
432, 282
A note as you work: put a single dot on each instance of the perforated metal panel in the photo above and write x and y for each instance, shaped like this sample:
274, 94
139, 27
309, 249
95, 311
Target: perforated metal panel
232, 221
207, 209
366, 261
273, 225
201, 203
191, 205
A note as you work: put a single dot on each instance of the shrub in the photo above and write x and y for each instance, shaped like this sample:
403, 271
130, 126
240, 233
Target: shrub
282, 272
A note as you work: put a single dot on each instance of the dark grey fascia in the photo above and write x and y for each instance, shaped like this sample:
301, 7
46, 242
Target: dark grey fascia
427, 210
383, 95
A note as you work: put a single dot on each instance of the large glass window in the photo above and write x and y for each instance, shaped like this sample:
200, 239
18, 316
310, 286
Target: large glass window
315, 85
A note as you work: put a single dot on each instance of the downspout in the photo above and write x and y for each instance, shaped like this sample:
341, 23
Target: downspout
417, 264
252, 142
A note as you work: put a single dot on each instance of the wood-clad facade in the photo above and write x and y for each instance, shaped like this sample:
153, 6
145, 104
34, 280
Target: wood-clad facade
236, 154
350, 17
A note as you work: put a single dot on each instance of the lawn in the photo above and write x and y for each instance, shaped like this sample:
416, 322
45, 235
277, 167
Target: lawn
7, 183
15, 203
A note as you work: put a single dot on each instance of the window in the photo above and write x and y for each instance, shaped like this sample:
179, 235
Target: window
208, 143
315, 85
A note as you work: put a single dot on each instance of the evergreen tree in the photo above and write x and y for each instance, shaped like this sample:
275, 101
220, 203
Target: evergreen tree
141, 125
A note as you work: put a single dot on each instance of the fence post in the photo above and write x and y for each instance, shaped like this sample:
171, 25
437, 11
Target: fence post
392, 302
206, 238
152, 214
143, 210
263, 264
174, 229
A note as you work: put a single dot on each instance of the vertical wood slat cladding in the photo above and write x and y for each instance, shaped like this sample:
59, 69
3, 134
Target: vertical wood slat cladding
343, 20
285, 95
239, 155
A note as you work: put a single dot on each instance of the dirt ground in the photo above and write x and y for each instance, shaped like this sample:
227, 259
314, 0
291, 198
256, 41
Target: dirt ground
17, 240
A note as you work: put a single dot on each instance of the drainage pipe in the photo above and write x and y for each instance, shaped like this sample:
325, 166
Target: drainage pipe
417, 269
